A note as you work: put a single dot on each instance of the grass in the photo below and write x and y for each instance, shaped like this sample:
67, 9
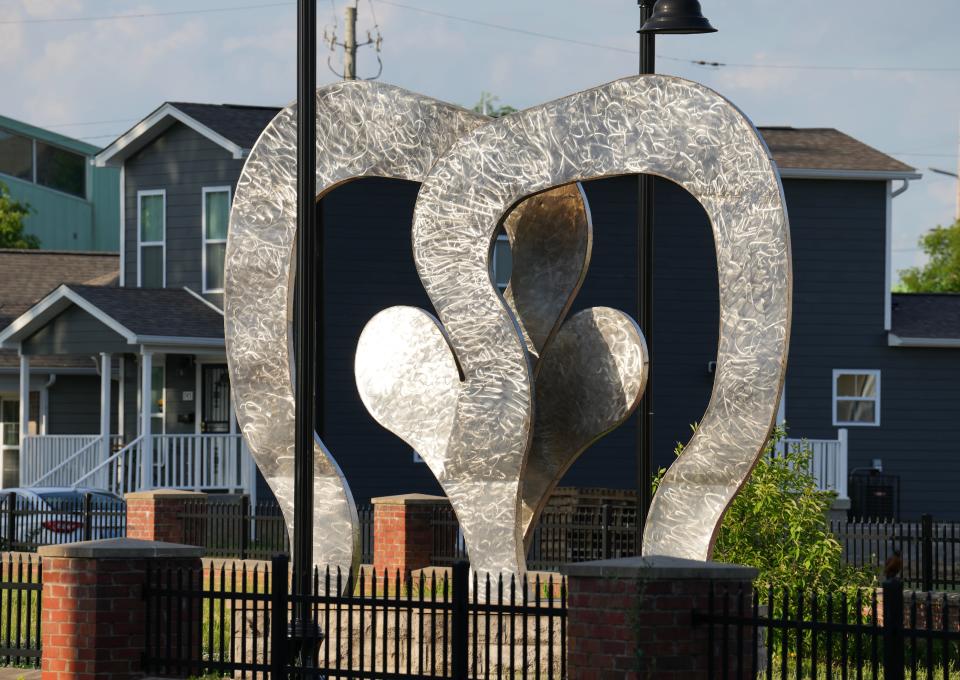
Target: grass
836, 671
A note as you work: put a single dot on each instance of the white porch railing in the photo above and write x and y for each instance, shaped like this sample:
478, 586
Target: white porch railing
120, 473
199, 462
43, 454
829, 461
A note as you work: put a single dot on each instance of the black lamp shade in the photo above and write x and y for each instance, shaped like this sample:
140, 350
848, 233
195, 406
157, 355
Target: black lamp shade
677, 16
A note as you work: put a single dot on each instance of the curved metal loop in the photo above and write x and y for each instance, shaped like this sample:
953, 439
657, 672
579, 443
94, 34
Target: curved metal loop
364, 129
659, 125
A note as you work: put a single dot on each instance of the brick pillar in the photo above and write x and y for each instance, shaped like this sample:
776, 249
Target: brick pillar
632, 618
158, 516
94, 614
402, 532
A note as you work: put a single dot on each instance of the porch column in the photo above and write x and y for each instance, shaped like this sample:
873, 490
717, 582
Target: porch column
146, 443
106, 367
24, 413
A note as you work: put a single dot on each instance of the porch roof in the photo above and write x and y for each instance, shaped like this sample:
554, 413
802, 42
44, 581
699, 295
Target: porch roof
175, 318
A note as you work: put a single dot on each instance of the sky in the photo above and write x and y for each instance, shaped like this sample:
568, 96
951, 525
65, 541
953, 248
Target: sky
885, 72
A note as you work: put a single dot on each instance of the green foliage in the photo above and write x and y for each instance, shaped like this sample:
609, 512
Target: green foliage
12, 214
941, 273
778, 524
487, 105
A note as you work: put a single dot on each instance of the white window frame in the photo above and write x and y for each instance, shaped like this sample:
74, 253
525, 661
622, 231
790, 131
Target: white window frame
141, 243
837, 372
203, 232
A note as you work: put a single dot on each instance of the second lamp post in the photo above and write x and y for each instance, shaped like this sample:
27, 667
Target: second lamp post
656, 16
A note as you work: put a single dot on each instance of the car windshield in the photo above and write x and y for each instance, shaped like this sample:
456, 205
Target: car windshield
73, 500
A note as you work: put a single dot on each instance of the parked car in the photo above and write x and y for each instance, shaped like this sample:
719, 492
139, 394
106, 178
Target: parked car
31, 517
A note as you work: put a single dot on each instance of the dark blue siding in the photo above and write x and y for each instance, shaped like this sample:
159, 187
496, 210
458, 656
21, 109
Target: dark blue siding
183, 162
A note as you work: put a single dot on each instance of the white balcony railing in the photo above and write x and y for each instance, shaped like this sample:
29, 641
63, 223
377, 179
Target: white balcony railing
829, 462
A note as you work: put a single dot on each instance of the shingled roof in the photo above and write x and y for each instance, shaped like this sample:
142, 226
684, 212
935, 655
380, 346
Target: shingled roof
242, 125
162, 312
931, 316
826, 149
28, 275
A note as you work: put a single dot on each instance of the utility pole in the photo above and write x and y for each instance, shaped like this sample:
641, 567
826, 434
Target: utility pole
350, 44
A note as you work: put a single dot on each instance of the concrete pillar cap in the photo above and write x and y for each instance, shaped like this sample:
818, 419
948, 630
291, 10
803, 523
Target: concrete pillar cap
127, 548
164, 493
661, 567
410, 499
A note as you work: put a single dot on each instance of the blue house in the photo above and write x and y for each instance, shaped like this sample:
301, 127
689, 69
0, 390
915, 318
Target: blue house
871, 380
74, 204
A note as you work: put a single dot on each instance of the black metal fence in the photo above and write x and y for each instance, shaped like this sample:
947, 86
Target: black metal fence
798, 634
929, 549
562, 536
21, 583
382, 626
27, 523
234, 528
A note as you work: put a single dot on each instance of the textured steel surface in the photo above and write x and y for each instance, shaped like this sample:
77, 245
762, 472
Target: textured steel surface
363, 130
647, 124
591, 377
550, 238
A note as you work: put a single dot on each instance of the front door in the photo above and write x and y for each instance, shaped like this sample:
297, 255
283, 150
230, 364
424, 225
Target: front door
215, 399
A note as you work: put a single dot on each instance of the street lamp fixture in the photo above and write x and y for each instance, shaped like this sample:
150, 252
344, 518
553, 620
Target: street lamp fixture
677, 16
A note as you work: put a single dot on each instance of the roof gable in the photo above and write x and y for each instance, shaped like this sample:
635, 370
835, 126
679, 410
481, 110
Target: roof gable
233, 127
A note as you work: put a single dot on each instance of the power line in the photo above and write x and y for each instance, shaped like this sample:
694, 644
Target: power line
500, 27
695, 62
511, 29
145, 15
917, 153
820, 67
89, 122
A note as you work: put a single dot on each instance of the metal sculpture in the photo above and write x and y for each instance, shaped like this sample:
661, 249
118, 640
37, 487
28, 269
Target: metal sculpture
462, 392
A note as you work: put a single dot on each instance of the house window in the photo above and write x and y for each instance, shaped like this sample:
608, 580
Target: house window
856, 397
44, 164
16, 156
216, 216
502, 262
61, 170
151, 229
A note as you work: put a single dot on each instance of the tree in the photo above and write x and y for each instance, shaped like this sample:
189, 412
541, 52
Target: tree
487, 106
941, 273
12, 214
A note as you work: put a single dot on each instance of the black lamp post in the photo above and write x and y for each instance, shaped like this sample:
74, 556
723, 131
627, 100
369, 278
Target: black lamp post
309, 246
656, 16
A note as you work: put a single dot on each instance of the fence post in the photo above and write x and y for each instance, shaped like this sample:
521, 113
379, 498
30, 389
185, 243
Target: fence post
461, 595
605, 530
88, 516
893, 640
279, 615
245, 522
11, 501
926, 558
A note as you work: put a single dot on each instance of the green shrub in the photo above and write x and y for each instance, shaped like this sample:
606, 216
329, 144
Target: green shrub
778, 524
